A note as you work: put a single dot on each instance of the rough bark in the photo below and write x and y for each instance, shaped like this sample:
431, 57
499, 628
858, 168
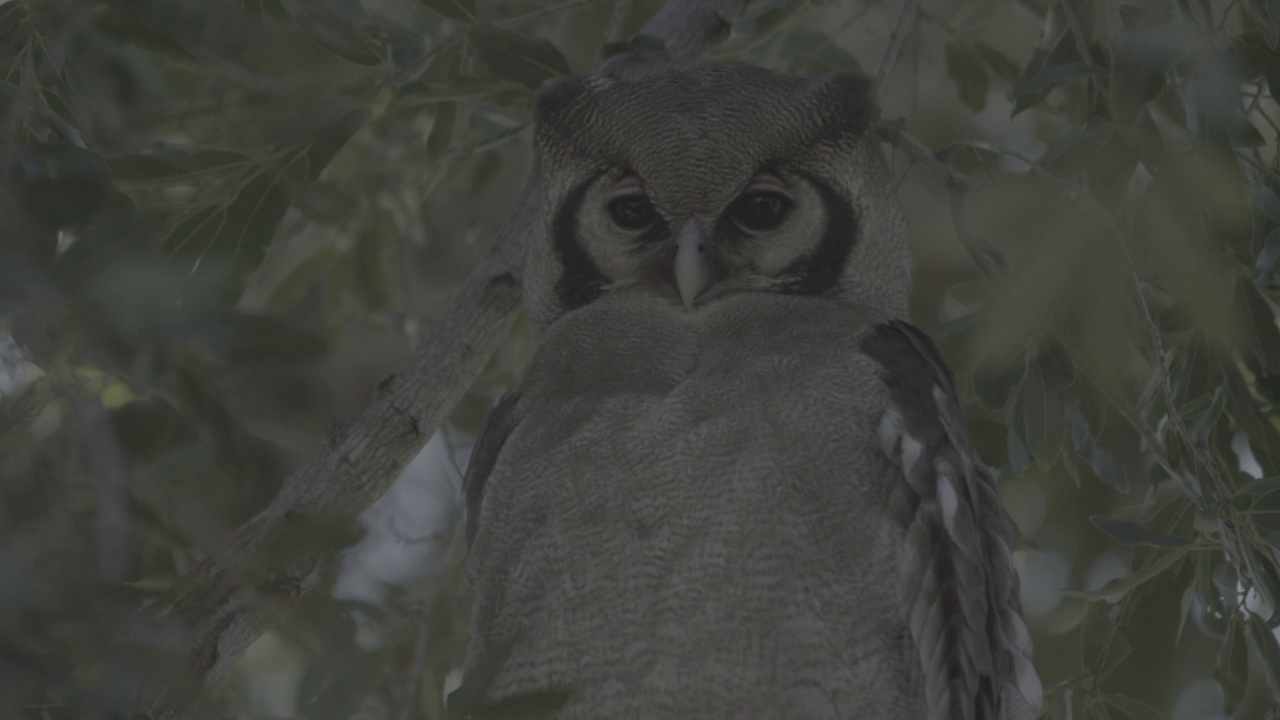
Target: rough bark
230, 599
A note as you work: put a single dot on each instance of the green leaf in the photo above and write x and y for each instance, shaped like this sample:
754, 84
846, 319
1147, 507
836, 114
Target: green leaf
1078, 150
1131, 534
758, 25
1019, 457
1216, 611
145, 426
10, 17
1265, 20
1267, 649
1176, 319
441, 135
1252, 47
467, 87
330, 30
1053, 76
1184, 606
171, 166
1055, 46
1129, 582
990, 439
1261, 571
1124, 707
295, 285
239, 230
1095, 631
1118, 650
1260, 488
641, 47
996, 378
1264, 438
812, 53
967, 70
1056, 362
1264, 268
512, 56
497, 139
1199, 373
373, 279
998, 62
1232, 669
1265, 199
1141, 65
460, 10
1204, 422
1263, 336
61, 186
1043, 418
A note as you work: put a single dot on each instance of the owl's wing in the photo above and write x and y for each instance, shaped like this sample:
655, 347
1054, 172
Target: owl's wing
498, 424
965, 616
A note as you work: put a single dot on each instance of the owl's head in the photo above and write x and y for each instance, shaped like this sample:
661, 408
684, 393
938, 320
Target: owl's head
696, 184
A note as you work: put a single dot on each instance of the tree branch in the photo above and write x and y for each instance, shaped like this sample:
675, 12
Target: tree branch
621, 8
687, 29
230, 599
906, 19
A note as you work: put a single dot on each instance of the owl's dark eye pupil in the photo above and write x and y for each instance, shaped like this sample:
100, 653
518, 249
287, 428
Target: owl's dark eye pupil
632, 212
760, 210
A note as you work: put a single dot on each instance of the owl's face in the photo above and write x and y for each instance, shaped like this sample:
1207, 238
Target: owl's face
697, 184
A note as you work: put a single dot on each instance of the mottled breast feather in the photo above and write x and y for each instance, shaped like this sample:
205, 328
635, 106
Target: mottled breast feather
964, 611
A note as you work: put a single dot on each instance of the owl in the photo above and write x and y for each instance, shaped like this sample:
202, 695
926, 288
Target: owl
733, 482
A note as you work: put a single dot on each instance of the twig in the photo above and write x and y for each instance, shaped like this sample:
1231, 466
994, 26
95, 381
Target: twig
106, 460
895, 135
423, 61
613, 32
417, 664
687, 29
906, 20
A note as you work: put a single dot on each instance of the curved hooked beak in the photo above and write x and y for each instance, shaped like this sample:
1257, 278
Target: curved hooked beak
691, 268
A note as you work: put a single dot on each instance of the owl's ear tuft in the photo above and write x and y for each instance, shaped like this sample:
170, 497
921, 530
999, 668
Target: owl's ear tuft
850, 99
555, 99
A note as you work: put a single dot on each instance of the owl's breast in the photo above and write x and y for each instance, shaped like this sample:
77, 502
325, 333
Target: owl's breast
694, 501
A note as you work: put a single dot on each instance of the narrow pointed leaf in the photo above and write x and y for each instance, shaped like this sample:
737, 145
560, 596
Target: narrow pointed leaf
512, 56
460, 10
1129, 582
1131, 534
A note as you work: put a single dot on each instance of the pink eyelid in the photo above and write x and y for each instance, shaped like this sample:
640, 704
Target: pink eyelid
768, 180
630, 181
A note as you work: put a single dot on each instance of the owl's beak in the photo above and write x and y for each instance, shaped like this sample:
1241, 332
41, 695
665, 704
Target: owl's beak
691, 268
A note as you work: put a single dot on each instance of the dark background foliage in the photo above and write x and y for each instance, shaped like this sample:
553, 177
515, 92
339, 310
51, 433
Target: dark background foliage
222, 222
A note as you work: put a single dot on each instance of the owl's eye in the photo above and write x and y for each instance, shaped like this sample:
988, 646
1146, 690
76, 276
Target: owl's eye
760, 210
632, 212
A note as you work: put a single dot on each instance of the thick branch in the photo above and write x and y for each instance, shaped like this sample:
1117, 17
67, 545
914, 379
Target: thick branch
229, 600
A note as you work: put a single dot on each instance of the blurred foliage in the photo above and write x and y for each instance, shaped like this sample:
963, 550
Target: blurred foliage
223, 221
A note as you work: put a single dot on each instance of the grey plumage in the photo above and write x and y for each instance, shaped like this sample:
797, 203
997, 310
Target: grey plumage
731, 482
